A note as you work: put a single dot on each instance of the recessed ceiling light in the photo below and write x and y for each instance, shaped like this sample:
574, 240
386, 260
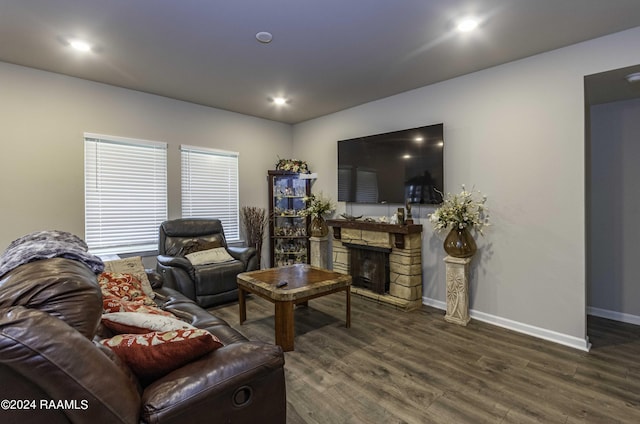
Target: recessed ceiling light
264, 37
467, 24
279, 101
80, 45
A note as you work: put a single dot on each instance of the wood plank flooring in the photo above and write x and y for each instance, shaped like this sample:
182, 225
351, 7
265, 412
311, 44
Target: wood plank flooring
413, 367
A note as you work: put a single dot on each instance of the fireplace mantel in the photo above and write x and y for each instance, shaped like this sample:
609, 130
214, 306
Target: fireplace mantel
375, 226
399, 231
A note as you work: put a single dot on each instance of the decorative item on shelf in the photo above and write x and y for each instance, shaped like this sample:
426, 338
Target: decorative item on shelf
400, 216
409, 217
293, 165
350, 217
461, 212
317, 206
255, 221
287, 229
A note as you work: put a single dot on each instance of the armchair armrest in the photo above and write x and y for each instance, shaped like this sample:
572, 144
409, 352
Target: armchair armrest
243, 382
175, 261
177, 273
247, 255
155, 278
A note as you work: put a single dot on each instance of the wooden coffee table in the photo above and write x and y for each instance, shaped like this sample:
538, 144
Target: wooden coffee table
304, 282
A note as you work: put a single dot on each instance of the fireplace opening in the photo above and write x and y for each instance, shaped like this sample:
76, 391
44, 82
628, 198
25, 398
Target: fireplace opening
369, 267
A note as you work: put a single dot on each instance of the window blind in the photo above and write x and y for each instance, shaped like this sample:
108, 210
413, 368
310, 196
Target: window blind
344, 183
125, 193
366, 186
210, 187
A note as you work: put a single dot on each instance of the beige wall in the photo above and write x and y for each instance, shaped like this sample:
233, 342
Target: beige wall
517, 133
44, 116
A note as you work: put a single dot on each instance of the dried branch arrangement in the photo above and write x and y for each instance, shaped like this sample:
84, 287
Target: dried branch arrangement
255, 222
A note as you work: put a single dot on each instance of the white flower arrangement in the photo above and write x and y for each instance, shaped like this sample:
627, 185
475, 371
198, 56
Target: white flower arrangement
317, 206
461, 211
293, 165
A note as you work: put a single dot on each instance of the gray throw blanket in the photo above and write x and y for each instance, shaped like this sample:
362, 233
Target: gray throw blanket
46, 245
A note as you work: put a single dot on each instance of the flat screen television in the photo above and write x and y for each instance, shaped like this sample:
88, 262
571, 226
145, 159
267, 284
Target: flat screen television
398, 167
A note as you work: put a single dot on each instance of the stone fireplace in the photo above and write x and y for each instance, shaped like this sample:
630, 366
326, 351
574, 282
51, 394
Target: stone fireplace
369, 267
384, 260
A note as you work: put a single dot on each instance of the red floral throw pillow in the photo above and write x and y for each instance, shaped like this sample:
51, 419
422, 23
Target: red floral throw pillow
155, 354
123, 286
123, 293
134, 267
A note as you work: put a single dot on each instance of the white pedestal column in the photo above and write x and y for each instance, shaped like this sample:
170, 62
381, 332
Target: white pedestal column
457, 290
319, 251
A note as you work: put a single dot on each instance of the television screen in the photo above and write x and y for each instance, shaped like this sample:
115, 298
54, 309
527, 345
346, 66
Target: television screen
397, 167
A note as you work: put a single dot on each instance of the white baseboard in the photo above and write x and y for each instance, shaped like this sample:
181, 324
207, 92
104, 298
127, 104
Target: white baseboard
541, 333
614, 315
438, 304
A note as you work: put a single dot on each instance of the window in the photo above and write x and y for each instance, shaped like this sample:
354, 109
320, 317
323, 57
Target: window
344, 182
210, 187
125, 193
366, 186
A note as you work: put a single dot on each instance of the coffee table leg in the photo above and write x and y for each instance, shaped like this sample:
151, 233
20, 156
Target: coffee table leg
348, 320
284, 325
242, 304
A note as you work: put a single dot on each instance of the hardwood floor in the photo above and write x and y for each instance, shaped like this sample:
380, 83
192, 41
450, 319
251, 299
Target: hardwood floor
413, 367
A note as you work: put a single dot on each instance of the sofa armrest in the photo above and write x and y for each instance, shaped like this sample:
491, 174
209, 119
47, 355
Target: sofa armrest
247, 255
57, 363
243, 382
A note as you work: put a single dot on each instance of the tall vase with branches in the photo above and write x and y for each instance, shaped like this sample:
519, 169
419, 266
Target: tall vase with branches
255, 222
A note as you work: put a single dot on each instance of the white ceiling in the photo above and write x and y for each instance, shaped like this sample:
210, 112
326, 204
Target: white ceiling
326, 55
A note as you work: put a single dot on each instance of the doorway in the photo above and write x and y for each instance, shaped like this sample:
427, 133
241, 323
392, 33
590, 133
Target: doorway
612, 117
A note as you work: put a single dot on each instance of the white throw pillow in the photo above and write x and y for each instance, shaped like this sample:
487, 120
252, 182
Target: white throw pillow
134, 267
211, 256
139, 322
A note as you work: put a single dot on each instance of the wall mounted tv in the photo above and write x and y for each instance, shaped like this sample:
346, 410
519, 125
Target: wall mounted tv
397, 167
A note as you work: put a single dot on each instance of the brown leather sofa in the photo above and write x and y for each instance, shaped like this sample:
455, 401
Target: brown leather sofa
52, 369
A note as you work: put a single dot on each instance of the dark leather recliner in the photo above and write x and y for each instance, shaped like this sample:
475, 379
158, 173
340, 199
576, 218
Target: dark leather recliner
210, 284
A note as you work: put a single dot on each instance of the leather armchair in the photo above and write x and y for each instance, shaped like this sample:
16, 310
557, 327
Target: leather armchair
209, 284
